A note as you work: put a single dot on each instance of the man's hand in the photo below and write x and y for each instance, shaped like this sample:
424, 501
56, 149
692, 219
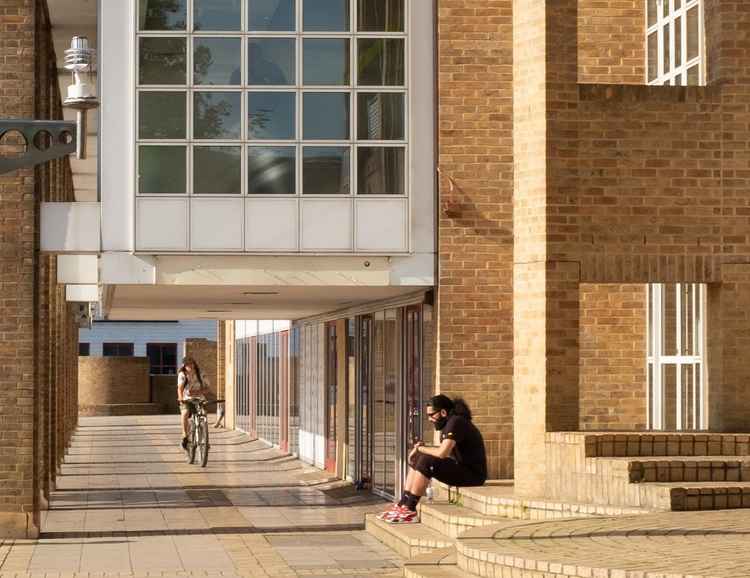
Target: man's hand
414, 452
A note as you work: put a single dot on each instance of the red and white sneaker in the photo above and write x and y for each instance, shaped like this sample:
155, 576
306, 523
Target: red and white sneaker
389, 512
403, 516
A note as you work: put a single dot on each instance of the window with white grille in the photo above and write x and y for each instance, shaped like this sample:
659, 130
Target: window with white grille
675, 42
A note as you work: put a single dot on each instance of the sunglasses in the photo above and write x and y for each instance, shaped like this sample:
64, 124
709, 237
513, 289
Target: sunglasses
434, 413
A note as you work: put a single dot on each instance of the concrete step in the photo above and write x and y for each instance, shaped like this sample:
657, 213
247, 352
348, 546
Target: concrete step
645, 444
452, 520
438, 557
434, 572
408, 540
441, 563
674, 469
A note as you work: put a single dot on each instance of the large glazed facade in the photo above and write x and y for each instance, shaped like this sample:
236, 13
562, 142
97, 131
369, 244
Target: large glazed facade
551, 195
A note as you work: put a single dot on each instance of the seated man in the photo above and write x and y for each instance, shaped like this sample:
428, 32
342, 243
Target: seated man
459, 460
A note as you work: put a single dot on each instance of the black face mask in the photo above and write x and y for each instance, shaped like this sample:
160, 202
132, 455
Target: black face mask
440, 423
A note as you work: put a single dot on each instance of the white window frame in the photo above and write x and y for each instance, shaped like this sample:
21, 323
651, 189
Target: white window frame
657, 360
678, 73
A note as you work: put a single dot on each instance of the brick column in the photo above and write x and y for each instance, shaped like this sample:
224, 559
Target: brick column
546, 272
221, 348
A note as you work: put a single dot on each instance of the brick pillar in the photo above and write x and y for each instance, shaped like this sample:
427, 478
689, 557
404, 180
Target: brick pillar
221, 348
546, 271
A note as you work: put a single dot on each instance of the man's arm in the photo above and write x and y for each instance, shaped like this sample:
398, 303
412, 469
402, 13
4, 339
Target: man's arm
442, 451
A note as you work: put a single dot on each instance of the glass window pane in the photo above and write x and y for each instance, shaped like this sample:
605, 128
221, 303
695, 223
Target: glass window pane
326, 15
326, 61
217, 170
693, 75
678, 42
216, 115
326, 115
667, 46
217, 14
381, 116
271, 15
161, 115
652, 12
653, 56
380, 170
271, 115
380, 61
161, 169
325, 171
271, 170
693, 34
270, 61
162, 14
665, 7
162, 61
380, 15
216, 61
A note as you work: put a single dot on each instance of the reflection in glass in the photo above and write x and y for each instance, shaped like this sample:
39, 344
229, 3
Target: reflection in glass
392, 389
270, 115
653, 54
381, 116
380, 170
379, 440
667, 45
652, 14
271, 170
216, 14
380, 16
380, 61
693, 75
325, 171
217, 170
326, 61
161, 115
271, 15
216, 115
161, 169
270, 61
216, 61
326, 115
693, 33
326, 15
162, 61
162, 14
678, 42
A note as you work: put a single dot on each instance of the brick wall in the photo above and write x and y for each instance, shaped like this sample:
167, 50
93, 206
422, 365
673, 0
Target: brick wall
613, 357
204, 353
113, 380
611, 47
37, 340
475, 319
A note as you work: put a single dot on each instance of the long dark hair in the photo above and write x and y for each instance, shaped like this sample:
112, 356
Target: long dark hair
455, 406
190, 361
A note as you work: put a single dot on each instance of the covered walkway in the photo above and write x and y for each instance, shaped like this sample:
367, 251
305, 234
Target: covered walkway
127, 504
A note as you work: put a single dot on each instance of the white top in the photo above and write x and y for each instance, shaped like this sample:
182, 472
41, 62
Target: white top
182, 379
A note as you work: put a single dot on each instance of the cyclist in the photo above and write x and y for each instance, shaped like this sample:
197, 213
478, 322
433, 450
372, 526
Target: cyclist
190, 385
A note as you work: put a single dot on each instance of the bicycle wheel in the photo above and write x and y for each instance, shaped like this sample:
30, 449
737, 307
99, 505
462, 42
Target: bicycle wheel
191, 442
203, 442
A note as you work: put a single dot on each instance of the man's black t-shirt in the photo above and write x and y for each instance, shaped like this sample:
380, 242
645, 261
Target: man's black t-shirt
469, 449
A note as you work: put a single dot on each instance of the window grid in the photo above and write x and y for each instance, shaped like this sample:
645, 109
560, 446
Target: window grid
353, 89
671, 22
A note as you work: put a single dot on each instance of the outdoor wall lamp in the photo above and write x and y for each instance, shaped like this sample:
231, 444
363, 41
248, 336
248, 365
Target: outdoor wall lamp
47, 140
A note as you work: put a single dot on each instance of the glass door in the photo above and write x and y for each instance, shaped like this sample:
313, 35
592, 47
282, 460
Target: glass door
413, 399
363, 407
676, 357
331, 387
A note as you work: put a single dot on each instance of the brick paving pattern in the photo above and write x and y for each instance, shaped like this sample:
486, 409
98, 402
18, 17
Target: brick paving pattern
127, 504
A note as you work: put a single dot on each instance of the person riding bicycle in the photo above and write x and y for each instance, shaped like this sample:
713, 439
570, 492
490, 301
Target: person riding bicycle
190, 385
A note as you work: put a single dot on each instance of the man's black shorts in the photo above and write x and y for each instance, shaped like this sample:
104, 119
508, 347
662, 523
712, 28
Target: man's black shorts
447, 471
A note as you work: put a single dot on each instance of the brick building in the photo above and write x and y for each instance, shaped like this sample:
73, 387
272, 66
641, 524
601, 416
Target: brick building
538, 206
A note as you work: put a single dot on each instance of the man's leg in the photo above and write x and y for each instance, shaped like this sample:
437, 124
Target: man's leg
416, 483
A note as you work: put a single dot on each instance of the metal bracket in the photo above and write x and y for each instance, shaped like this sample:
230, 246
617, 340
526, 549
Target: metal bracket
62, 142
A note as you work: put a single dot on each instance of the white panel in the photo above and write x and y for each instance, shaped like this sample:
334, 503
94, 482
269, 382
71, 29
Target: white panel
81, 293
326, 225
381, 224
116, 122
127, 269
70, 227
162, 224
271, 225
77, 269
216, 224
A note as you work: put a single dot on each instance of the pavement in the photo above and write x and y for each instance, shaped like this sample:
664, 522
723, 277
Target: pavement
128, 505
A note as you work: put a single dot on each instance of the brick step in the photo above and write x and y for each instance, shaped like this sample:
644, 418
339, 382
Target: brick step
643, 444
434, 572
674, 469
445, 557
498, 500
408, 540
452, 520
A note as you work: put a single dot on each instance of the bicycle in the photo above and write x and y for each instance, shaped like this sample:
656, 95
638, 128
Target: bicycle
198, 430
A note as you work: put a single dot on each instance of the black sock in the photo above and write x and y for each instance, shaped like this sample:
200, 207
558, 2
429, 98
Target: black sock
412, 501
404, 498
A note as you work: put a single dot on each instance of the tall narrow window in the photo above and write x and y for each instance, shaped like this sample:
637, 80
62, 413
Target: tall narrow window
675, 42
